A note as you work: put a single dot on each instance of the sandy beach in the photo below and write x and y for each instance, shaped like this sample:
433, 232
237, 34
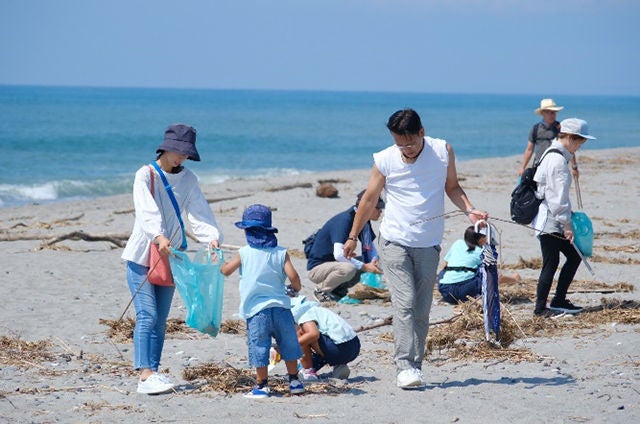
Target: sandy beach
58, 363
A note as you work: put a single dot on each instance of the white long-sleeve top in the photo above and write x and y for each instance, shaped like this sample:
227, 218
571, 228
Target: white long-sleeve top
155, 215
554, 181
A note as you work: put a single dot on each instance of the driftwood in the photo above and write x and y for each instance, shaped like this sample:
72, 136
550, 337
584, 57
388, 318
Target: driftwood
289, 187
389, 320
117, 239
333, 181
45, 225
222, 199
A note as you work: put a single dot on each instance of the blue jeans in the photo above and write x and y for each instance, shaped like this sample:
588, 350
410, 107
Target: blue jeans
273, 322
335, 354
411, 275
152, 304
458, 292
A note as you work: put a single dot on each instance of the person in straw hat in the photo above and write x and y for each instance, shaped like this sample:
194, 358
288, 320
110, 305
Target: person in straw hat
542, 133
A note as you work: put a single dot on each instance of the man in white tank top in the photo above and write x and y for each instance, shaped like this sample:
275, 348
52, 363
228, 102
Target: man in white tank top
415, 173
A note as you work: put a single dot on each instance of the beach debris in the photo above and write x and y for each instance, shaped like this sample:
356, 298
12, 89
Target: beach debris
24, 354
616, 260
524, 290
333, 181
233, 326
535, 263
362, 291
326, 190
225, 378
119, 240
289, 187
121, 331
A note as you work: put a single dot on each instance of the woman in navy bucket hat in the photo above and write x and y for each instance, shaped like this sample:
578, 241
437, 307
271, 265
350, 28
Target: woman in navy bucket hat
264, 268
180, 138
158, 221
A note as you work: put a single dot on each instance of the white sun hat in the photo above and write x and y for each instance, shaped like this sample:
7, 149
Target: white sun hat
576, 126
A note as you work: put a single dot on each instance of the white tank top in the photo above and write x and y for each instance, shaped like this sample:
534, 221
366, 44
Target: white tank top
414, 194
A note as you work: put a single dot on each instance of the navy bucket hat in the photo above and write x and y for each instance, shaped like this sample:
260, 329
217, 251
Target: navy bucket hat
257, 216
180, 138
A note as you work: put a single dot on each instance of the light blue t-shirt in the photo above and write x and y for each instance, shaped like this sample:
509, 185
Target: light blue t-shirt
458, 255
329, 323
262, 280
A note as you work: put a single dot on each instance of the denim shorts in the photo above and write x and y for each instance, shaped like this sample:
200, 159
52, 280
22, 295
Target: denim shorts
272, 322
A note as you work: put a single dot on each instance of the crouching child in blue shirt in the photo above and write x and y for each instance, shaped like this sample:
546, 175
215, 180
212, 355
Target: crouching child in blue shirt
264, 268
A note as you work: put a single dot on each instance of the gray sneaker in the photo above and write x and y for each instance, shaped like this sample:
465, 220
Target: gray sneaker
341, 371
324, 297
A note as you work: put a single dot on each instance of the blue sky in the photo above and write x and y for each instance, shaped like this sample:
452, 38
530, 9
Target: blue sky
543, 47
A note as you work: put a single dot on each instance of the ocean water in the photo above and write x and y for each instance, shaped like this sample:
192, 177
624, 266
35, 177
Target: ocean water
63, 143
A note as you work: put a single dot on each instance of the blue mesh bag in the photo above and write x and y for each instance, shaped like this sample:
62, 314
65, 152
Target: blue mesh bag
201, 287
582, 232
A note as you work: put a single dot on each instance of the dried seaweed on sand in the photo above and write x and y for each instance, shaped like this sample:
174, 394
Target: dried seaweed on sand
535, 263
224, 378
122, 331
233, 326
21, 353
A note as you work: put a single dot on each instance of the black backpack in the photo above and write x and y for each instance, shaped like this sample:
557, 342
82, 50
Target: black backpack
308, 244
524, 203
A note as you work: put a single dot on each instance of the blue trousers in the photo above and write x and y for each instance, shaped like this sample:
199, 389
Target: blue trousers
458, 292
152, 304
335, 354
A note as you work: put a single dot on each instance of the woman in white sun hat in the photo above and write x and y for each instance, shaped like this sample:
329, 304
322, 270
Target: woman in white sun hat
553, 221
542, 133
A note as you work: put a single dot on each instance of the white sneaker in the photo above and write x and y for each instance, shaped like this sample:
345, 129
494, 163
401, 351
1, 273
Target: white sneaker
410, 379
308, 374
155, 384
420, 376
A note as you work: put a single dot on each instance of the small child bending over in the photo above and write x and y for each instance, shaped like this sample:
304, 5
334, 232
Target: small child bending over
325, 337
264, 268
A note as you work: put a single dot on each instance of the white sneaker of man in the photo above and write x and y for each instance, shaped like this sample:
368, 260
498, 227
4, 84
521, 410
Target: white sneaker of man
155, 384
410, 379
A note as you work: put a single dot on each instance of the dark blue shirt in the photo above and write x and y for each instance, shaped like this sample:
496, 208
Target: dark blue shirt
335, 230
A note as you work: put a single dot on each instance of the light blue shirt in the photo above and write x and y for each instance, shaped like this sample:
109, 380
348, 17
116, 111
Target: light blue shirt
262, 279
458, 255
329, 323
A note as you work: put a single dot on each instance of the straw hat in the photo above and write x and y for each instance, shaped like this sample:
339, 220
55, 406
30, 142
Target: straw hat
548, 104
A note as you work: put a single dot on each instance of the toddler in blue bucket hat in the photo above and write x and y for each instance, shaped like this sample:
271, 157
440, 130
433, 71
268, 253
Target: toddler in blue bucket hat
264, 268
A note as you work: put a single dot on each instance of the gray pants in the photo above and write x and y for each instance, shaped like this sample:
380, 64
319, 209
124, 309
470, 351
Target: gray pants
411, 276
329, 275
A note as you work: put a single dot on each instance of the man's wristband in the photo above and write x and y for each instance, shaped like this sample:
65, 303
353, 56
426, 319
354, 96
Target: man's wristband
468, 211
353, 238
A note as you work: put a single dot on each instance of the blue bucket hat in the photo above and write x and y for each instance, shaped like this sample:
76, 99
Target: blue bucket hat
257, 216
180, 138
